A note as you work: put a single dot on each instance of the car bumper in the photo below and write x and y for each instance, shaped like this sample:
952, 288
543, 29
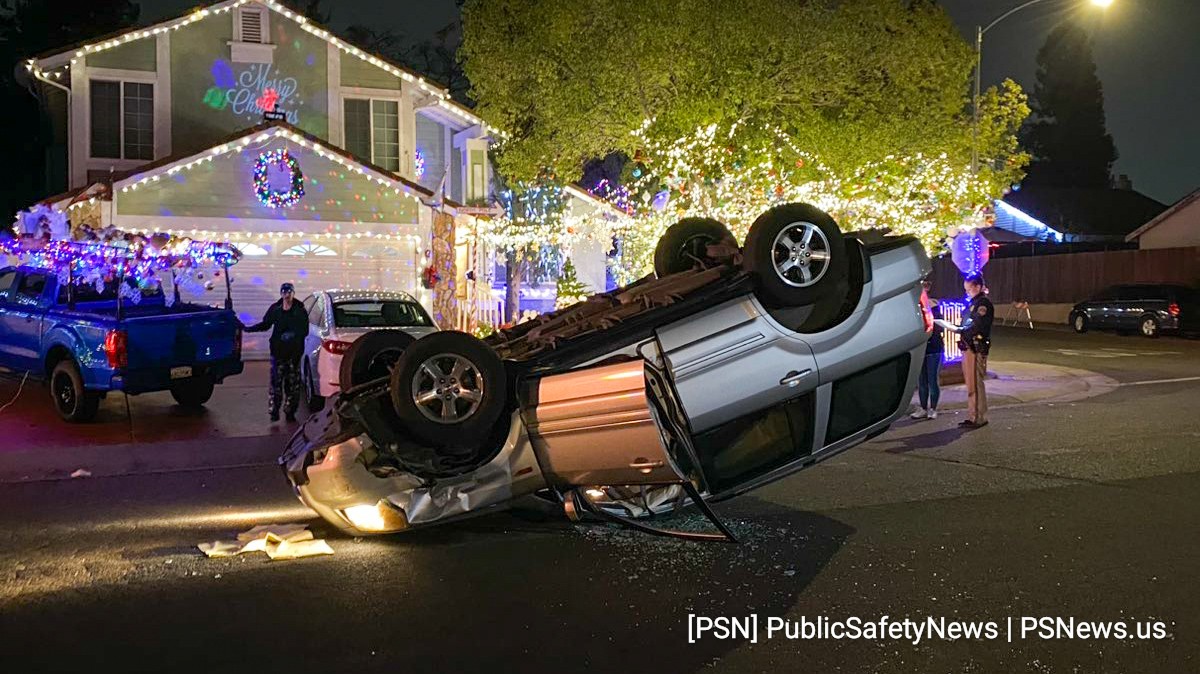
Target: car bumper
329, 477
159, 379
329, 366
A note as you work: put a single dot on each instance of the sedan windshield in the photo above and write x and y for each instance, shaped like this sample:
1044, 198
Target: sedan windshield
380, 314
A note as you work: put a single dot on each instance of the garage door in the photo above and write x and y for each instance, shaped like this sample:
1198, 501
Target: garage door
311, 266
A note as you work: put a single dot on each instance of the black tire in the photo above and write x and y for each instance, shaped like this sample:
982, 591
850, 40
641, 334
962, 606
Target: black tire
1148, 327
315, 402
469, 421
806, 281
1079, 322
192, 392
683, 245
372, 357
72, 401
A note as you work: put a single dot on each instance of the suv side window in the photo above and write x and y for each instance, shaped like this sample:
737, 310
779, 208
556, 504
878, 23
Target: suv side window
757, 443
1107, 295
866, 398
31, 288
1125, 293
7, 277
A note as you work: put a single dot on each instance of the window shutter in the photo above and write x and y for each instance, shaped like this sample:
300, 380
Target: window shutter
251, 21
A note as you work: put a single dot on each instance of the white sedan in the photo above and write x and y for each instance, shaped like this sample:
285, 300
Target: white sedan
341, 320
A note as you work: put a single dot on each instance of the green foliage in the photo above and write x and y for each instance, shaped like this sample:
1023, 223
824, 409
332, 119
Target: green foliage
852, 80
1067, 138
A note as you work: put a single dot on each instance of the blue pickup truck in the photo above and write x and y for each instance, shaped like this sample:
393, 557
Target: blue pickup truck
87, 341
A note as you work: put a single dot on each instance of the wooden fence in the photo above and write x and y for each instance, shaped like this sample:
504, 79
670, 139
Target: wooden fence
1071, 277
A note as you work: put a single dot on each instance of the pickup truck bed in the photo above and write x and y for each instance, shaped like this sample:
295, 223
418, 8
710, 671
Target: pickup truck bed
134, 348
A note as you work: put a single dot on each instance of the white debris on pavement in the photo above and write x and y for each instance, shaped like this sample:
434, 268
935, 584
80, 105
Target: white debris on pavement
82, 473
279, 541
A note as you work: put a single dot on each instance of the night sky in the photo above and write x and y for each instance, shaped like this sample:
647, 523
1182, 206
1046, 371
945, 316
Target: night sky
1147, 54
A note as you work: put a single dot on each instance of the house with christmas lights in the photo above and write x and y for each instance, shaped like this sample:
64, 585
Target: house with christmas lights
245, 122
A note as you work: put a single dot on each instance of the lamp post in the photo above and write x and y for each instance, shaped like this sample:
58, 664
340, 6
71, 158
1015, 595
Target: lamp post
979, 31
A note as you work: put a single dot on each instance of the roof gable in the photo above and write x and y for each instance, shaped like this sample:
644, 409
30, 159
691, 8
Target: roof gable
1086, 211
45, 64
1178, 206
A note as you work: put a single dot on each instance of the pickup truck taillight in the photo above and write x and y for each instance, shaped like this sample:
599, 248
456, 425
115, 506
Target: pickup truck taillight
1173, 309
237, 342
116, 348
335, 347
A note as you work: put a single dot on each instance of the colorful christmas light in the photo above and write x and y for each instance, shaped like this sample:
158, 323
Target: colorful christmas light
262, 188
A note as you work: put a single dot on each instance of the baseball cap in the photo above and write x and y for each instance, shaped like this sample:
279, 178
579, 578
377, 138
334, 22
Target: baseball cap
287, 288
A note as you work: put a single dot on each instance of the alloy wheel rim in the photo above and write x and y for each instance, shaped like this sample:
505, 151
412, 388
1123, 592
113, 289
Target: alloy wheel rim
800, 254
447, 388
1149, 326
64, 393
1079, 322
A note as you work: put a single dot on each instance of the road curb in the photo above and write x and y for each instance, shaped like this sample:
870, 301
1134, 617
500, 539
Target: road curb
32, 465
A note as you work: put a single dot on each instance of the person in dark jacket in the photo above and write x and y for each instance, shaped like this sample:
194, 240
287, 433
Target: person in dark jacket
288, 322
928, 390
975, 340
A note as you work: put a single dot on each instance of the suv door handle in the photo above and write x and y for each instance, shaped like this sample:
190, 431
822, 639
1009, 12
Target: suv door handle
793, 378
645, 465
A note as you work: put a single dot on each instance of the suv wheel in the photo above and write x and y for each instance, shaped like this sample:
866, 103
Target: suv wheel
449, 389
685, 245
797, 255
1149, 327
372, 357
1079, 323
72, 401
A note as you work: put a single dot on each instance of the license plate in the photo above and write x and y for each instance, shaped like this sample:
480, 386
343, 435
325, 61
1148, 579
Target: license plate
181, 372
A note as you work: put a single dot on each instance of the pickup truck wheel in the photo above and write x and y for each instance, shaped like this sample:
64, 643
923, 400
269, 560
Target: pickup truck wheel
73, 402
685, 245
193, 392
449, 389
372, 357
797, 255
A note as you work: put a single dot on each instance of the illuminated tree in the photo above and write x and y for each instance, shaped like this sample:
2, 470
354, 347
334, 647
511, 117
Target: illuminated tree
716, 101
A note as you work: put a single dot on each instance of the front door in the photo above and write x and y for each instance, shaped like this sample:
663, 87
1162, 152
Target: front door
594, 427
21, 332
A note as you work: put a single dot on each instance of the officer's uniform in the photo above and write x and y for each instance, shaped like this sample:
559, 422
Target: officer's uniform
975, 342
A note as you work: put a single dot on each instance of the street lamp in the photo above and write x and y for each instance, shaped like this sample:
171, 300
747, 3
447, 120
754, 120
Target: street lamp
979, 31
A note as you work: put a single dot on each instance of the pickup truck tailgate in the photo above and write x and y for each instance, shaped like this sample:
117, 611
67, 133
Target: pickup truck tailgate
170, 340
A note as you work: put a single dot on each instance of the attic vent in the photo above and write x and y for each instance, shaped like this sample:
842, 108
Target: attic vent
252, 25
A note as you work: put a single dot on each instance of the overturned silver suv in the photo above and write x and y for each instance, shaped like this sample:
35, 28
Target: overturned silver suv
727, 369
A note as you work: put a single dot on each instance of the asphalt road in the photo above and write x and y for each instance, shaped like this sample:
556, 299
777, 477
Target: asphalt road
1085, 510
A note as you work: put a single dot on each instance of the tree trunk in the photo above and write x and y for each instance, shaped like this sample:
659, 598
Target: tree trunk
512, 286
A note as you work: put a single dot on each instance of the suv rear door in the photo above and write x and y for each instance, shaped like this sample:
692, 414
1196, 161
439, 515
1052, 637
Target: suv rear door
733, 360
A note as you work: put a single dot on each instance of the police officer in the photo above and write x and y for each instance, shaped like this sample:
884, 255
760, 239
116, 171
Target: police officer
975, 340
288, 322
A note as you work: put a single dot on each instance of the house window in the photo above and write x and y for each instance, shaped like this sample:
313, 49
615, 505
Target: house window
373, 131
122, 120
309, 250
251, 249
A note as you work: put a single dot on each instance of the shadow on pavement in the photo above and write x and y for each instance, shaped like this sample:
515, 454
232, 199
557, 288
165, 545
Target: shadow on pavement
911, 443
499, 592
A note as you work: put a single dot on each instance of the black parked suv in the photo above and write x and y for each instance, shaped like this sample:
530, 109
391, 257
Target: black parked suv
1144, 308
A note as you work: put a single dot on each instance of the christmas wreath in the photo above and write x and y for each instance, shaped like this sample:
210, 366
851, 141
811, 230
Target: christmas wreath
262, 188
